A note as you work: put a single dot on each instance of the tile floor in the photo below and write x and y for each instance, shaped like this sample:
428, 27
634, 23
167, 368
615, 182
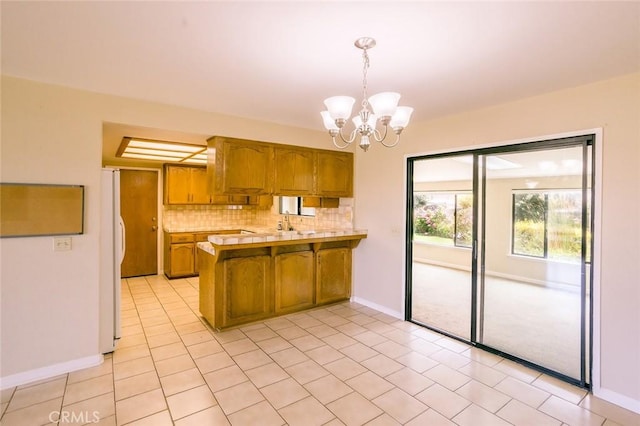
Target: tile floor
344, 364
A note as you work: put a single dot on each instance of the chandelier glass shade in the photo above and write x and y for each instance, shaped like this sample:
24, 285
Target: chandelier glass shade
379, 108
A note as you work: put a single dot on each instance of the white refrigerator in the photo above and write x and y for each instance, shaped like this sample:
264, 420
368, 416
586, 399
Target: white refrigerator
111, 254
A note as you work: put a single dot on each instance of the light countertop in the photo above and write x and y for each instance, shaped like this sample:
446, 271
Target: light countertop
262, 237
266, 237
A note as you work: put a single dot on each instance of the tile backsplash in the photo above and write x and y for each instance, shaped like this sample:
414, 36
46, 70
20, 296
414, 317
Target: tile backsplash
205, 217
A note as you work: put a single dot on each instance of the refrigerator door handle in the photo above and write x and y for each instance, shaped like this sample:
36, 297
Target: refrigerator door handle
117, 285
123, 241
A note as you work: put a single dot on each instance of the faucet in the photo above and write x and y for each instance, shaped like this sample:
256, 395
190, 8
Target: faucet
287, 223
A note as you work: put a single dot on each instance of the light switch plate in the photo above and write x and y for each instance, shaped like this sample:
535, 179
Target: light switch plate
62, 244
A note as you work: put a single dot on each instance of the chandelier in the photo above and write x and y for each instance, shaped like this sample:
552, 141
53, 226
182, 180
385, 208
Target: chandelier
382, 107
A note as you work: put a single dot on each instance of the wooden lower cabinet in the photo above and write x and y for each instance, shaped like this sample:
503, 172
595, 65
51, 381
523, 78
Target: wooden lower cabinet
294, 281
247, 294
333, 275
243, 285
181, 256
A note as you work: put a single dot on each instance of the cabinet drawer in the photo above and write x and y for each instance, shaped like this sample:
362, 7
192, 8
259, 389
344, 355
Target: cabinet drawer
202, 237
181, 238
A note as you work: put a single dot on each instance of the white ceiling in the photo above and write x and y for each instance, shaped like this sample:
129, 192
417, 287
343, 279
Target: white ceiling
278, 60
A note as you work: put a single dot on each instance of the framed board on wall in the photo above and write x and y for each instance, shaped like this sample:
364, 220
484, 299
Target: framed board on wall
28, 210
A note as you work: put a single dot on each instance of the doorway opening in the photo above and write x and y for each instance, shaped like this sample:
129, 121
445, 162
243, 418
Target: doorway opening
499, 244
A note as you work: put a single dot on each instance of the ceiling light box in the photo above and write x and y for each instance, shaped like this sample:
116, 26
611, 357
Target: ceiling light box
174, 152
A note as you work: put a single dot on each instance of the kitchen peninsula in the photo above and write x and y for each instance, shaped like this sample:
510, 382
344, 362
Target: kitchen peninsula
248, 277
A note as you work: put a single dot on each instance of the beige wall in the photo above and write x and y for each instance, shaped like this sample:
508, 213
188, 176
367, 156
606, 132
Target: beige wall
54, 135
614, 106
49, 306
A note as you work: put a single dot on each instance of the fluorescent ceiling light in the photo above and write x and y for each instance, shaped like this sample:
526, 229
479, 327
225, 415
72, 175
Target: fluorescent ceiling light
147, 151
175, 152
195, 161
148, 157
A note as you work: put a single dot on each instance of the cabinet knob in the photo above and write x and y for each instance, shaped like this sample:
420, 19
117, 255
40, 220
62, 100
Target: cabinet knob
154, 228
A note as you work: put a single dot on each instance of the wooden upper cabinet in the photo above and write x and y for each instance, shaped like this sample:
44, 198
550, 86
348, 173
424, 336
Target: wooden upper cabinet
189, 185
240, 166
294, 171
199, 193
334, 177
245, 167
185, 185
176, 185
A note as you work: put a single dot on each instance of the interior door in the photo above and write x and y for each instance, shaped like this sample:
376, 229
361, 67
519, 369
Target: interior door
139, 211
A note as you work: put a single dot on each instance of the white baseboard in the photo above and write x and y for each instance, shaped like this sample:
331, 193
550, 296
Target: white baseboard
377, 307
49, 371
617, 399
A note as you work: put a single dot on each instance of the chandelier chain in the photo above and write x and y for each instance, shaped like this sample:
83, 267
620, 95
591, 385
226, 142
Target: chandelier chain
365, 68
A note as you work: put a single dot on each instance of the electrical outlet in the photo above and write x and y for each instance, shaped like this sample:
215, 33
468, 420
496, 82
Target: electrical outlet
62, 244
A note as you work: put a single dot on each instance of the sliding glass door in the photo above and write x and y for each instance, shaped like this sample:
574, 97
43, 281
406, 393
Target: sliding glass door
533, 239
441, 246
499, 250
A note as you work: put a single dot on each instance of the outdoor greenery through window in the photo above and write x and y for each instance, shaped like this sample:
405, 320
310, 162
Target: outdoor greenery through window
443, 218
548, 224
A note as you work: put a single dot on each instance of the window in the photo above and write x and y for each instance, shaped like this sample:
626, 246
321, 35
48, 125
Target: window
443, 218
548, 224
293, 205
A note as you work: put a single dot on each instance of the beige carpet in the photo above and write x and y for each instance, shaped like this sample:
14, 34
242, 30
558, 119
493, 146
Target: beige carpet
536, 323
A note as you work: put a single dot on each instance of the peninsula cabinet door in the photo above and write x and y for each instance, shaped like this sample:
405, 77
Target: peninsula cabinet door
248, 294
294, 284
333, 269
